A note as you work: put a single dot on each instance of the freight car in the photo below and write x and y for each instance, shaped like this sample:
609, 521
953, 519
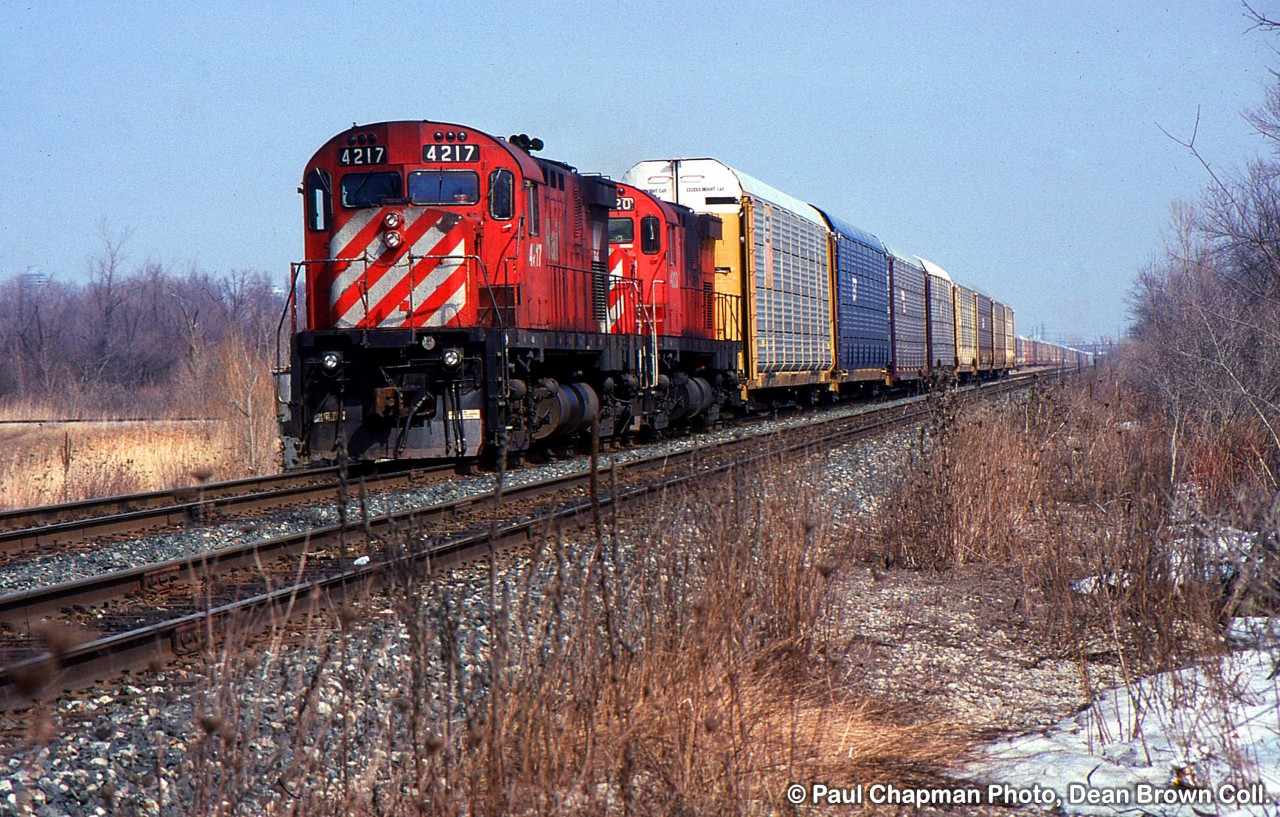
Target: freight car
942, 319
1037, 354
774, 258
863, 330
462, 297
909, 319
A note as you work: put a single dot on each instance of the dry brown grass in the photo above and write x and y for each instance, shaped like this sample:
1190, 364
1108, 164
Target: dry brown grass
54, 462
665, 663
51, 463
1070, 483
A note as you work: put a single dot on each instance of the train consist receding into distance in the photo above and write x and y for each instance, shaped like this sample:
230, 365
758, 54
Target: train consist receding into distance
461, 296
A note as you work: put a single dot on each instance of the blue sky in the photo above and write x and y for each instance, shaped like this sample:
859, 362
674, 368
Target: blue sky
1015, 144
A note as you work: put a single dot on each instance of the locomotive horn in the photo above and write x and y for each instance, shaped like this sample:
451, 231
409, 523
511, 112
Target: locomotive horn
524, 142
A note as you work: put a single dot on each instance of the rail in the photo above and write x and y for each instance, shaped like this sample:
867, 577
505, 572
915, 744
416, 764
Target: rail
27, 529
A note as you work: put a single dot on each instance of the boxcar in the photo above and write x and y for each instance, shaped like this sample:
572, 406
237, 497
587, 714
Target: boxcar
908, 318
861, 274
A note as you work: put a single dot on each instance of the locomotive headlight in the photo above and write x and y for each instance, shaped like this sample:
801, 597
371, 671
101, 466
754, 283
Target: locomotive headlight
428, 342
330, 361
392, 221
392, 239
451, 358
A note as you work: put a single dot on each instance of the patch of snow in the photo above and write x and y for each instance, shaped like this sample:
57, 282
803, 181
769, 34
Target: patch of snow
1199, 741
1097, 584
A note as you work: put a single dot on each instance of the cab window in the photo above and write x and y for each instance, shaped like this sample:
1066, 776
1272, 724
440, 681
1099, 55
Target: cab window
444, 187
535, 213
369, 189
318, 201
650, 235
501, 194
622, 230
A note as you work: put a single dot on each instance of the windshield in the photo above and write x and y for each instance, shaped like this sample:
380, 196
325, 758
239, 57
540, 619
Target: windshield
622, 230
444, 187
369, 189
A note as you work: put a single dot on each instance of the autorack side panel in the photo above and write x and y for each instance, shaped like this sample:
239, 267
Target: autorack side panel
861, 303
940, 296
791, 289
998, 359
1009, 351
966, 311
910, 329
985, 333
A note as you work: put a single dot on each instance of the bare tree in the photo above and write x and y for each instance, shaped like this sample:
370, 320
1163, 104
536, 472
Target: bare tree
1207, 318
139, 339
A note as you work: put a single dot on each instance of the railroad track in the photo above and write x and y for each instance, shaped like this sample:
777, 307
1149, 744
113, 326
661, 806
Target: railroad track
322, 566
32, 530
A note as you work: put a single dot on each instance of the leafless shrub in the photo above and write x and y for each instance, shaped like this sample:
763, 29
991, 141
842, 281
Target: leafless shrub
1071, 486
128, 341
1125, 571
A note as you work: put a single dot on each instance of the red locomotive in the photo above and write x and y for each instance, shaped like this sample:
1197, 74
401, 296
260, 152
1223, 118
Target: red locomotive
462, 297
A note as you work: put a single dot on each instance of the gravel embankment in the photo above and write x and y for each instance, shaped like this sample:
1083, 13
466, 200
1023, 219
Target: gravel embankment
125, 746
122, 747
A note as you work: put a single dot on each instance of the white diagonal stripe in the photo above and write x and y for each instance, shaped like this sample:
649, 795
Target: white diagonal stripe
338, 249
445, 268
389, 280
457, 301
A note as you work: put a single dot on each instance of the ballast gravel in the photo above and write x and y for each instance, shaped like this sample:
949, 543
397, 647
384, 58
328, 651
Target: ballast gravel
121, 748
